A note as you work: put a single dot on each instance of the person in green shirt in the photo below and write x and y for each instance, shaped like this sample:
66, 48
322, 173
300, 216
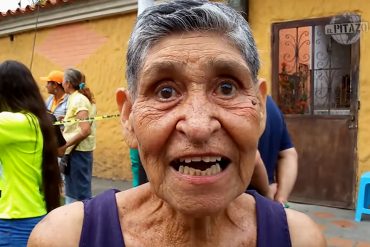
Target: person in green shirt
29, 173
138, 173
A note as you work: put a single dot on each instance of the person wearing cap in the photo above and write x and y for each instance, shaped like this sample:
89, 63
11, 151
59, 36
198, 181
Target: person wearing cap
56, 104
57, 101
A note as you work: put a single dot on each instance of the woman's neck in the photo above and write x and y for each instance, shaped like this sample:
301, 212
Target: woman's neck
163, 224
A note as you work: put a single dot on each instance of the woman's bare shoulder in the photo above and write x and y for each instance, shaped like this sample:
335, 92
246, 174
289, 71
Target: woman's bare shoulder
61, 227
134, 197
304, 231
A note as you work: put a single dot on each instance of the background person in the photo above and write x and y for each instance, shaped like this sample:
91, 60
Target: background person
138, 172
56, 104
80, 136
57, 101
29, 174
278, 153
194, 108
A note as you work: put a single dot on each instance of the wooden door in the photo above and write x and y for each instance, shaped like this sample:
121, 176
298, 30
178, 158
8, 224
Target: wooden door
315, 82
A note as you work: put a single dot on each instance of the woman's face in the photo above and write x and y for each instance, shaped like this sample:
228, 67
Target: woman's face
67, 86
197, 119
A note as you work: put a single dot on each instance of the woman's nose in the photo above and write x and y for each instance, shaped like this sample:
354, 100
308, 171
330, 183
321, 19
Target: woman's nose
199, 121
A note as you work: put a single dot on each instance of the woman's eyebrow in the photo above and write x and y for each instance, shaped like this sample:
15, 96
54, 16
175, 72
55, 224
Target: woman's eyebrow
160, 66
231, 66
218, 65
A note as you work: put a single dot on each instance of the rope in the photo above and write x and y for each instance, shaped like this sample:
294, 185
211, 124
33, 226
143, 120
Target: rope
97, 118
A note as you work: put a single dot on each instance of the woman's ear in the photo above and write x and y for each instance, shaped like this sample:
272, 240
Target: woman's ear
262, 89
124, 104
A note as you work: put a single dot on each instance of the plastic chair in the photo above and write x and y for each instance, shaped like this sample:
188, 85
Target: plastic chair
363, 197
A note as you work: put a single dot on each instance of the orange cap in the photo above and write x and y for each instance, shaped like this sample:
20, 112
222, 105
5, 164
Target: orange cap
54, 75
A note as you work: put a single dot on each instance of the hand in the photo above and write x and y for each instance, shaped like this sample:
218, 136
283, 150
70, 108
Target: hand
281, 199
275, 194
62, 150
273, 190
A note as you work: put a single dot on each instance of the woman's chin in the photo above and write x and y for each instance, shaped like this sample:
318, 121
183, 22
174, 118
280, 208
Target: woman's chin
200, 205
199, 196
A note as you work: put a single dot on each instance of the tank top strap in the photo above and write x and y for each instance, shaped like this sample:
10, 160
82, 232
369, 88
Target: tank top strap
101, 225
272, 224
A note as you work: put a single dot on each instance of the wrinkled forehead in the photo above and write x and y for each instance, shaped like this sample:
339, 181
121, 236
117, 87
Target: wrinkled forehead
204, 50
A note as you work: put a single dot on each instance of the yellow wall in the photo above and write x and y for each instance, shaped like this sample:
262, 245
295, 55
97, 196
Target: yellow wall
104, 69
263, 13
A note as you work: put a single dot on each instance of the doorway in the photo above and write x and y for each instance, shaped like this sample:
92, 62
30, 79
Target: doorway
315, 83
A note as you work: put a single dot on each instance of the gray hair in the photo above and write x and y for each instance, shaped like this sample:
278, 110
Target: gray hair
73, 76
76, 78
179, 16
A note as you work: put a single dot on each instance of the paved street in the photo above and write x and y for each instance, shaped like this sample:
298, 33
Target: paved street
338, 225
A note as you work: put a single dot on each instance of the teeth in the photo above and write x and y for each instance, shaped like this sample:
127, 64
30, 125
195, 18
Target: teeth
187, 170
212, 159
213, 170
192, 171
209, 171
198, 172
218, 167
204, 159
196, 159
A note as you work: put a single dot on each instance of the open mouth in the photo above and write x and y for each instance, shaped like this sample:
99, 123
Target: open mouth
201, 166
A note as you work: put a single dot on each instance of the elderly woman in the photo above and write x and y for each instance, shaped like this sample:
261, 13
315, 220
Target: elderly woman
194, 107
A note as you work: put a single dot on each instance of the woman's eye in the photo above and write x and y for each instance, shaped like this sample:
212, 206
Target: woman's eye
166, 92
226, 89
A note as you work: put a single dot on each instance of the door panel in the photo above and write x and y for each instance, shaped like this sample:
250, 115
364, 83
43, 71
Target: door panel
326, 167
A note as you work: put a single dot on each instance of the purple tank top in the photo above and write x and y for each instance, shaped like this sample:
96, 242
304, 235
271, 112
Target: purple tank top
101, 226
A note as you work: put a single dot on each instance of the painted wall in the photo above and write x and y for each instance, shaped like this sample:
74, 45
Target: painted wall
97, 51
263, 13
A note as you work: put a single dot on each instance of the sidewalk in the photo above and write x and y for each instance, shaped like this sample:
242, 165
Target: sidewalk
338, 225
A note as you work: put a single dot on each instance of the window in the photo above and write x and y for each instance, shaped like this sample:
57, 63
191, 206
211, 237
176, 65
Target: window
311, 70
